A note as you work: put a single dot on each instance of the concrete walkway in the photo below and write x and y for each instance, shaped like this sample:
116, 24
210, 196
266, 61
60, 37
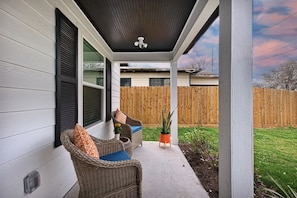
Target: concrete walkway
166, 173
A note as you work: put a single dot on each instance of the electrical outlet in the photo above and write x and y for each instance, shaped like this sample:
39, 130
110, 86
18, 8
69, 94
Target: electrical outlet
31, 182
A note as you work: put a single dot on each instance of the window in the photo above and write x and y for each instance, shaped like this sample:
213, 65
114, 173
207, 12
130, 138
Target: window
125, 82
93, 84
66, 75
159, 81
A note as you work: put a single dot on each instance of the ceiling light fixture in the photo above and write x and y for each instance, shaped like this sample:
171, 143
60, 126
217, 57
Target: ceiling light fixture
140, 43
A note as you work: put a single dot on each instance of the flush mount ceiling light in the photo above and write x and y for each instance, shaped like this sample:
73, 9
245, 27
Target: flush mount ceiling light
140, 43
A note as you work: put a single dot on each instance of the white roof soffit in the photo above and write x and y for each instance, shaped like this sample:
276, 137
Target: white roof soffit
202, 11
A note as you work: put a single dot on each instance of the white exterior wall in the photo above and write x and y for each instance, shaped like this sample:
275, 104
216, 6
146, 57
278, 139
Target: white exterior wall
205, 81
27, 95
142, 79
139, 79
116, 83
183, 79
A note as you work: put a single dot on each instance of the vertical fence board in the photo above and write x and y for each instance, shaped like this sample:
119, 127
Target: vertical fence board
199, 105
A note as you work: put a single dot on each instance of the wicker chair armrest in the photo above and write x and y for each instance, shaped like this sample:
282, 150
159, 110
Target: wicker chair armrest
126, 130
133, 122
130, 121
108, 146
98, 163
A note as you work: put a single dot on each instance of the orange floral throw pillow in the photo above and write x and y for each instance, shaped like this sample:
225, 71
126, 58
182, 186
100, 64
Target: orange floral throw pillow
120, 116
84, 141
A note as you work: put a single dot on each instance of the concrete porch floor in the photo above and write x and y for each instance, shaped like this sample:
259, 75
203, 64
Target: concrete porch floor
166, 173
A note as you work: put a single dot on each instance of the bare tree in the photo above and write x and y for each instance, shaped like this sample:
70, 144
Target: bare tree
285, 77
198, 66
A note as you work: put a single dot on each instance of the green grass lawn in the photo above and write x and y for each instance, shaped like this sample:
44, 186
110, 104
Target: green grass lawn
275, 151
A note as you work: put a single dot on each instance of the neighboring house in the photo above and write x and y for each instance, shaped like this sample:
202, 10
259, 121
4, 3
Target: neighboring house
133, 76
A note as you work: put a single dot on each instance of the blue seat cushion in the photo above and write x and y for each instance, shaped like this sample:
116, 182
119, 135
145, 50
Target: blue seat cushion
135, 128
117, 156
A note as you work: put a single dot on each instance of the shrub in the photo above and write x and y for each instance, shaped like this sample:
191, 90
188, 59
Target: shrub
203, 144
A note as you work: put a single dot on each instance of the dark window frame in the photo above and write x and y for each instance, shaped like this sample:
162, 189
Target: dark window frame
162, 81
130, 82
108, 89
91, 117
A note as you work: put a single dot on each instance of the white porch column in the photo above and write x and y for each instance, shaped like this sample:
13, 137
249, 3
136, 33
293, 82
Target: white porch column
236, 164
174, 102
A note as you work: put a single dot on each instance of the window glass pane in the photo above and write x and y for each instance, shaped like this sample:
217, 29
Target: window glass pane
93, 72
155, 82
126, 82
166, 82
92, 105
93, 65
159, 81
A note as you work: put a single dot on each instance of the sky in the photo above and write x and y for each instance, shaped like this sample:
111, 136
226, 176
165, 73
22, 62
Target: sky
274, 38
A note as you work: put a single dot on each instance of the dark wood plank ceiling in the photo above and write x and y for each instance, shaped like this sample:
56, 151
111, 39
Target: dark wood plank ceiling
121, 22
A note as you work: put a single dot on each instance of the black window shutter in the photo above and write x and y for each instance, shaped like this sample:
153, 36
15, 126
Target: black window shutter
108, 90
66, 75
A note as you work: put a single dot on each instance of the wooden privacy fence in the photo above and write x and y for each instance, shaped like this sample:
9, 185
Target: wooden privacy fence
200, 105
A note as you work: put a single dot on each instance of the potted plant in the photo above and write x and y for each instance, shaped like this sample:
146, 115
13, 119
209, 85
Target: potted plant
117, 130
166, 124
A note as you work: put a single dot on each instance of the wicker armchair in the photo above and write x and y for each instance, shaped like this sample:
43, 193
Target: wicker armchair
127, 131
100, 178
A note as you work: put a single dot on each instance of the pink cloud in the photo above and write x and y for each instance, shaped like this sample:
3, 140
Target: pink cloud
264, 47
284, 25
270, 52
277, 21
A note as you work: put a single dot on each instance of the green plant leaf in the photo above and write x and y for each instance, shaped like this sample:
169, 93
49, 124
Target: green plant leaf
293, 192
279, 186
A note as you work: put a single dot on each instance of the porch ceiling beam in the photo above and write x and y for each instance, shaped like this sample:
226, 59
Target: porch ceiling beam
142, 56
202, 11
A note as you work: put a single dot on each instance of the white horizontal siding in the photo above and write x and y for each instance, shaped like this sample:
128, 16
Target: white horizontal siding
14, 123
25, 100
62, 179
205, 81
15, 76
27, 95
142, 79
15, 171
182, 79
19, 145
14, 52
58, 176
15, 29
39, 21
116, 86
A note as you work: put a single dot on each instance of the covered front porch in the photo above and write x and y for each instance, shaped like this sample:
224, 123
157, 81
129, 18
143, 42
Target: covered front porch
32, 93
165, 173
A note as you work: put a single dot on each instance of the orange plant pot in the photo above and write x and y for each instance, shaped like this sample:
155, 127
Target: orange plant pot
165, 138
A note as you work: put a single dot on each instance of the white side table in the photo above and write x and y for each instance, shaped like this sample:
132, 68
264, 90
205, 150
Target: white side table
127, 145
